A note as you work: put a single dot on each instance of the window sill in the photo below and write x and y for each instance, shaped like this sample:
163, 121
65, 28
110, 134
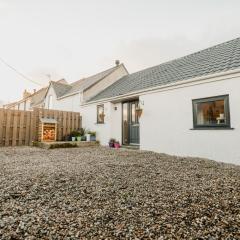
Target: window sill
212, 128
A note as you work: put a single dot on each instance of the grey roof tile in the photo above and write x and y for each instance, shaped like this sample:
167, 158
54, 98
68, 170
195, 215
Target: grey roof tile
85, 83
60, 88
38, 97
220, 58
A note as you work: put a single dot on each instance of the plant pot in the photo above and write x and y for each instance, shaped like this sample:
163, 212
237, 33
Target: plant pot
66, 138
116, 145
73, 139
79, 139
83, 138
92, 138
88, 137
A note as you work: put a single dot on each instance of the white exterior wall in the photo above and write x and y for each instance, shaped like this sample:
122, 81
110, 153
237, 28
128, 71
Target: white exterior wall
52, 93
71, 103
116, 122
167, 120
111, 128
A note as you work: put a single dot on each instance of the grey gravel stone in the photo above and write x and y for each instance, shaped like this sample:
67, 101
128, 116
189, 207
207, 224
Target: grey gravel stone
100, 193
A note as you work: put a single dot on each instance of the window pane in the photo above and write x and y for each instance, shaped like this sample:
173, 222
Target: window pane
211, 113
125, 123
125, 112
133, 105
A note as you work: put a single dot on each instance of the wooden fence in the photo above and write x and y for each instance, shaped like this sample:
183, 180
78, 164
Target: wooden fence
19, 128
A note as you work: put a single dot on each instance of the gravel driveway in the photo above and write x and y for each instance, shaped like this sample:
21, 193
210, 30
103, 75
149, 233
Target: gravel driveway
98, 193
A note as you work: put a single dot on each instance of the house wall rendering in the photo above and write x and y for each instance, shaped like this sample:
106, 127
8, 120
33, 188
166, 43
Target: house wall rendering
166, 124
112, 126
70, 103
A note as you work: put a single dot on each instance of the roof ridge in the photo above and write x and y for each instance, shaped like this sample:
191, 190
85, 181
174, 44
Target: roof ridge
188, 55
221, 57
84, 78
65, 84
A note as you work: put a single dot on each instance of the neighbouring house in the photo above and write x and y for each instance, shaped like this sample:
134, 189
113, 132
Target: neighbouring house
186, 107
69, 97
28, 101
64, 96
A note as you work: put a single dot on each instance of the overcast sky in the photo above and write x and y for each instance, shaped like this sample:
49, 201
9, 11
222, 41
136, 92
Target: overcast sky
72, 39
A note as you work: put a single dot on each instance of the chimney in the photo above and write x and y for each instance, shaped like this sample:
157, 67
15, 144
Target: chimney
117, 62
26, 94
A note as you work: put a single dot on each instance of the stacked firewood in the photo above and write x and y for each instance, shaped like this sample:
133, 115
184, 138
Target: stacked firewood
49, 134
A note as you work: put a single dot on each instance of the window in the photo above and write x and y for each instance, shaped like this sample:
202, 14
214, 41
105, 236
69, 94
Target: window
100, 114
211, 112
134, 115
50, 102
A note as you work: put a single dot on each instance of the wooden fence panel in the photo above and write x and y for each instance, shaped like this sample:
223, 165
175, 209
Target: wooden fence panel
15, 128
8, 128
64, 123
19, 128
1, 126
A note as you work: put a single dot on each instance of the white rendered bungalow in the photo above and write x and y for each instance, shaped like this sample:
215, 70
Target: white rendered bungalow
189, 106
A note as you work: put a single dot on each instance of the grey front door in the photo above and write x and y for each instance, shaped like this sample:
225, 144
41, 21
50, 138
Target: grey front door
130, 123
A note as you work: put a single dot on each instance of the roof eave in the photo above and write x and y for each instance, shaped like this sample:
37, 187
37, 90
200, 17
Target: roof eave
69, 95
193, 81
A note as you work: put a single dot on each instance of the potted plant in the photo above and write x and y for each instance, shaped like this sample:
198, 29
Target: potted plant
79, 134
74, 135
79, 137
73, 139
67, 138
88, 136
111, 143
117, 144
91, 136
83, 138
82, 131
139, 111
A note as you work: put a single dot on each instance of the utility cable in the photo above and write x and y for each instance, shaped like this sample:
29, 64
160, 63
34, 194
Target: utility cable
19, 73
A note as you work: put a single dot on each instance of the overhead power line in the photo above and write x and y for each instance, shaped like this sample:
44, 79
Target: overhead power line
19, 73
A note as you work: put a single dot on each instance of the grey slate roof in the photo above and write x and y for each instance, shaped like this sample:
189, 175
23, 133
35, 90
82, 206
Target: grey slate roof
38, 97
220, 58
60, 88
85, 83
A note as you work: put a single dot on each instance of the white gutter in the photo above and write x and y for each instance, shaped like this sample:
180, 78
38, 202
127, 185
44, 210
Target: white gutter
179, 84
